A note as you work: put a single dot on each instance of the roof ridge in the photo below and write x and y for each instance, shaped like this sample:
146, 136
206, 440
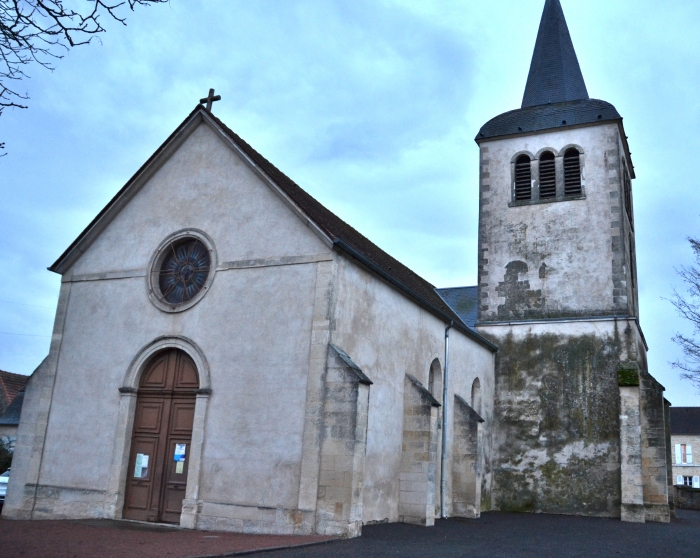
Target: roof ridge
337, 230
341, 233
307, 209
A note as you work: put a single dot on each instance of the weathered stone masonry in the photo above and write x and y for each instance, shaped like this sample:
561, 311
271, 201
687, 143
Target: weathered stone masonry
418, 455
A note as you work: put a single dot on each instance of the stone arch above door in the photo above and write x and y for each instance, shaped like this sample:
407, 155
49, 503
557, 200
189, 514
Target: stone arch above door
144, 356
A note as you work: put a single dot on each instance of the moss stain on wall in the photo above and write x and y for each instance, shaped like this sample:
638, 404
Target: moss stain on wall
557, 405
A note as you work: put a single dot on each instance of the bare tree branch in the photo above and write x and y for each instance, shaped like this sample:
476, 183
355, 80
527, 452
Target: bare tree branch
40, 31
688, 307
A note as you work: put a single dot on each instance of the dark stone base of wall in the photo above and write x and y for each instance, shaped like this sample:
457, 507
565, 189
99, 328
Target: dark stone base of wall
687, 498
557, 422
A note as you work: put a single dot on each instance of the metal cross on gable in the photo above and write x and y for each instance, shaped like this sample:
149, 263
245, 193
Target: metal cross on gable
210, 99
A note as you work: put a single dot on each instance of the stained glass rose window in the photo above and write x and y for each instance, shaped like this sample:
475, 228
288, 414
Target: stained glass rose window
184, 270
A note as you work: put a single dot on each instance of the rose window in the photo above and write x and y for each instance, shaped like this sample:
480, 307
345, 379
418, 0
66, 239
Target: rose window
184, 270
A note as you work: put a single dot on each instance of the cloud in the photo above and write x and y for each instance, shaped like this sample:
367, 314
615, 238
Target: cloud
372, 106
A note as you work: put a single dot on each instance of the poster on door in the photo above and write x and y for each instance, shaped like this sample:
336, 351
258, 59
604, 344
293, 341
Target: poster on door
141, 466
180, 452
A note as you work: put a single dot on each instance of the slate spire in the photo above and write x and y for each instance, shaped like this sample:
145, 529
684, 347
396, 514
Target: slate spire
555, 75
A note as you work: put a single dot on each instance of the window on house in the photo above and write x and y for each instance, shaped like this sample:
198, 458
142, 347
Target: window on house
523, 178
684, 454
572, 173
548, 176
682, 480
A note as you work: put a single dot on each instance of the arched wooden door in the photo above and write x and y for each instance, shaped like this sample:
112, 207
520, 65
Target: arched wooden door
160, 444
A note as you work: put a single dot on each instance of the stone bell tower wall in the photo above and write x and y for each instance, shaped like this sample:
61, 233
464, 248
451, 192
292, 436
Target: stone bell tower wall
555, 259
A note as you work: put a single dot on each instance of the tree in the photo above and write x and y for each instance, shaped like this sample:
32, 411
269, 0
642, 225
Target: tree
40, 31
688, 307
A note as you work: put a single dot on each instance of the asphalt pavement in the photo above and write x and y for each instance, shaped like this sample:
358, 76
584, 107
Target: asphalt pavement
510, 535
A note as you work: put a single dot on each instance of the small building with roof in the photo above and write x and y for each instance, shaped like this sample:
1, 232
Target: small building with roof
685, 439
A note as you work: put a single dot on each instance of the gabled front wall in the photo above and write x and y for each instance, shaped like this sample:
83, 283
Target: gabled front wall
389, 336
253, 330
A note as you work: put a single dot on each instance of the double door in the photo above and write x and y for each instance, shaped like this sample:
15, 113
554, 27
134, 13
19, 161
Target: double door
160, 446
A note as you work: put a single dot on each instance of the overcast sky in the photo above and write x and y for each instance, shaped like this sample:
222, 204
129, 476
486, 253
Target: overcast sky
371, 106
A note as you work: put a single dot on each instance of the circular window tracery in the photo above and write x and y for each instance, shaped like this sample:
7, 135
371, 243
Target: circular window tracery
184, 271
181, 270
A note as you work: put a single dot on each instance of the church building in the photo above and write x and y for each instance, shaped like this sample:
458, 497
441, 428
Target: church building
228, 354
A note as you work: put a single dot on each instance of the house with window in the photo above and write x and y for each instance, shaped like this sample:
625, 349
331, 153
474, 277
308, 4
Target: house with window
685, 436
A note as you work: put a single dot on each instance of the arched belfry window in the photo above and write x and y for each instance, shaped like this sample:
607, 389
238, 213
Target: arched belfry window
523, 178
572, 172
548, 176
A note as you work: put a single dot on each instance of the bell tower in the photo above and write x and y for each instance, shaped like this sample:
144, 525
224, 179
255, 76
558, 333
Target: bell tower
576, 405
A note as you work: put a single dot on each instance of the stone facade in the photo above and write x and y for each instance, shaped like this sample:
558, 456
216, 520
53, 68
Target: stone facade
688, 498
467, 461
417, 479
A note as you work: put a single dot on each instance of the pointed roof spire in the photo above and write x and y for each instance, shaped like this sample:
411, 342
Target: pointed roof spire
555, 75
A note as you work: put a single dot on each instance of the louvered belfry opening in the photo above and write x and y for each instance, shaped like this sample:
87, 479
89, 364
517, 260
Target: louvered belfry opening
572, 173
523, 178
548, 176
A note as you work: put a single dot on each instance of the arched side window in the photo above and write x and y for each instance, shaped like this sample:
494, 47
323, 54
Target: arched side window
435, 380
548, 176
523, 178
572, 172
476, 396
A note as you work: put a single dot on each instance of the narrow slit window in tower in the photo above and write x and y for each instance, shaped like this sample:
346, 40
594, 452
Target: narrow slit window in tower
523, 178
548, 179
572, 173
628, 196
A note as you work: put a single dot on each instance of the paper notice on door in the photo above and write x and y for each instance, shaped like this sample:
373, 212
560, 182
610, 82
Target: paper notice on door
180, 452
179, 467
141, 466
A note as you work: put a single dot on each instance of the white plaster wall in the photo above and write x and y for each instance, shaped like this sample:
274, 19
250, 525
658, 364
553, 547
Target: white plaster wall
573, 238
388, 336
599, 328
203, 185
253, 327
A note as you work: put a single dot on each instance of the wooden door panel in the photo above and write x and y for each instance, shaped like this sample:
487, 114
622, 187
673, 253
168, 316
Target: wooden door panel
149, 416
139, 500
140, 479
186, 376
175, 479
182, 417
157, 374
